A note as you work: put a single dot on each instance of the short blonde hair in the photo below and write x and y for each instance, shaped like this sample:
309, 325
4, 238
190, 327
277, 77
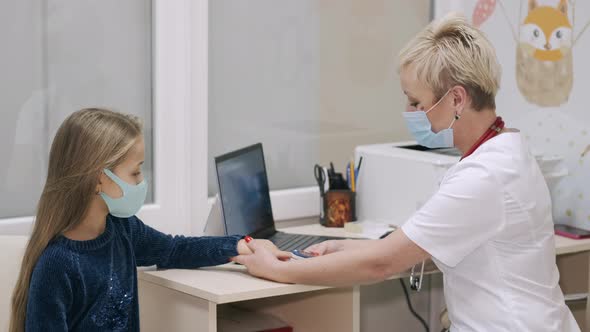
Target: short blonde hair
451, 52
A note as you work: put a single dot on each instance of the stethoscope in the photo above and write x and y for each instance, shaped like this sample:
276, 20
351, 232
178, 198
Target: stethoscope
416, 282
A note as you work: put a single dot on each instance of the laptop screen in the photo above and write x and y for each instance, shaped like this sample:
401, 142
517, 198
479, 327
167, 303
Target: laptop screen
244, 191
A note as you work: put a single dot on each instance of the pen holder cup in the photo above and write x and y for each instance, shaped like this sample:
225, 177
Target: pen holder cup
339, 207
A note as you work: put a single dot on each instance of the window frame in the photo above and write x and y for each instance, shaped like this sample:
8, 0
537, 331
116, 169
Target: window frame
180, 129
173, 32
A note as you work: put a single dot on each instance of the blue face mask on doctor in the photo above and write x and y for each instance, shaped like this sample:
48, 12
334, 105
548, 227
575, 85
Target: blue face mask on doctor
131, 201
421, 128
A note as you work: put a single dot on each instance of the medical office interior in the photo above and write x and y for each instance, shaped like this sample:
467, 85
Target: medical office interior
314, 81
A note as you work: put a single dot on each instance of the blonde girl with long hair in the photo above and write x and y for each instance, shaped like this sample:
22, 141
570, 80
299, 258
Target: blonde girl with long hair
79, 268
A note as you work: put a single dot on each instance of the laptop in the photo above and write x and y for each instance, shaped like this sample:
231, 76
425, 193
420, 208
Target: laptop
245, 199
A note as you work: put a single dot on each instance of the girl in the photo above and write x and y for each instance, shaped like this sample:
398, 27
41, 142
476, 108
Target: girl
79, 269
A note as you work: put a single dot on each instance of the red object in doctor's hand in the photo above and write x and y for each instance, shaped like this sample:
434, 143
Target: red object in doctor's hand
248, 238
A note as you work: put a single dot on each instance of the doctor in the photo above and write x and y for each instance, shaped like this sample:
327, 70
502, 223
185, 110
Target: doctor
488, 228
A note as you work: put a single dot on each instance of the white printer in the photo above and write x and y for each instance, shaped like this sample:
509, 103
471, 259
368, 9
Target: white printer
395, 179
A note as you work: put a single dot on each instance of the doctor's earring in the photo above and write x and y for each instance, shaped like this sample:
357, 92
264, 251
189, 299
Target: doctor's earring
457, 115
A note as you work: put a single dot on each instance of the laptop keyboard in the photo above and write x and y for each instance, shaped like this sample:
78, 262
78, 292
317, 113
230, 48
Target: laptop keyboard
290, 242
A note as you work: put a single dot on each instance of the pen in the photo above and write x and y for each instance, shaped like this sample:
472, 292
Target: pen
352, 184
358, 169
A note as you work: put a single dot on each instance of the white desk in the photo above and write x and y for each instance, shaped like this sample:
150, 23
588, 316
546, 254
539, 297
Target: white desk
189, 300
564, 245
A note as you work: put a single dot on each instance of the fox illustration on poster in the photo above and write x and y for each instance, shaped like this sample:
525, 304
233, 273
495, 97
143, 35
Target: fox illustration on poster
544, 51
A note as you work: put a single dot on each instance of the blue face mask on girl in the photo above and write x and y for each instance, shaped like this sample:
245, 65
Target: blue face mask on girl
421, 128
131, 201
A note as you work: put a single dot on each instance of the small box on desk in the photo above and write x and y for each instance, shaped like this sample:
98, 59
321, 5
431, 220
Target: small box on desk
339, 207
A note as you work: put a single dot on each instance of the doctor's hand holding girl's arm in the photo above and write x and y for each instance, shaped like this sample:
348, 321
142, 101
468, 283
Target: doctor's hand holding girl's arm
338, 263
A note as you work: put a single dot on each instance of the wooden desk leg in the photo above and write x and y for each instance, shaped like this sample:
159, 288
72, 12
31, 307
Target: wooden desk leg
164, 309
